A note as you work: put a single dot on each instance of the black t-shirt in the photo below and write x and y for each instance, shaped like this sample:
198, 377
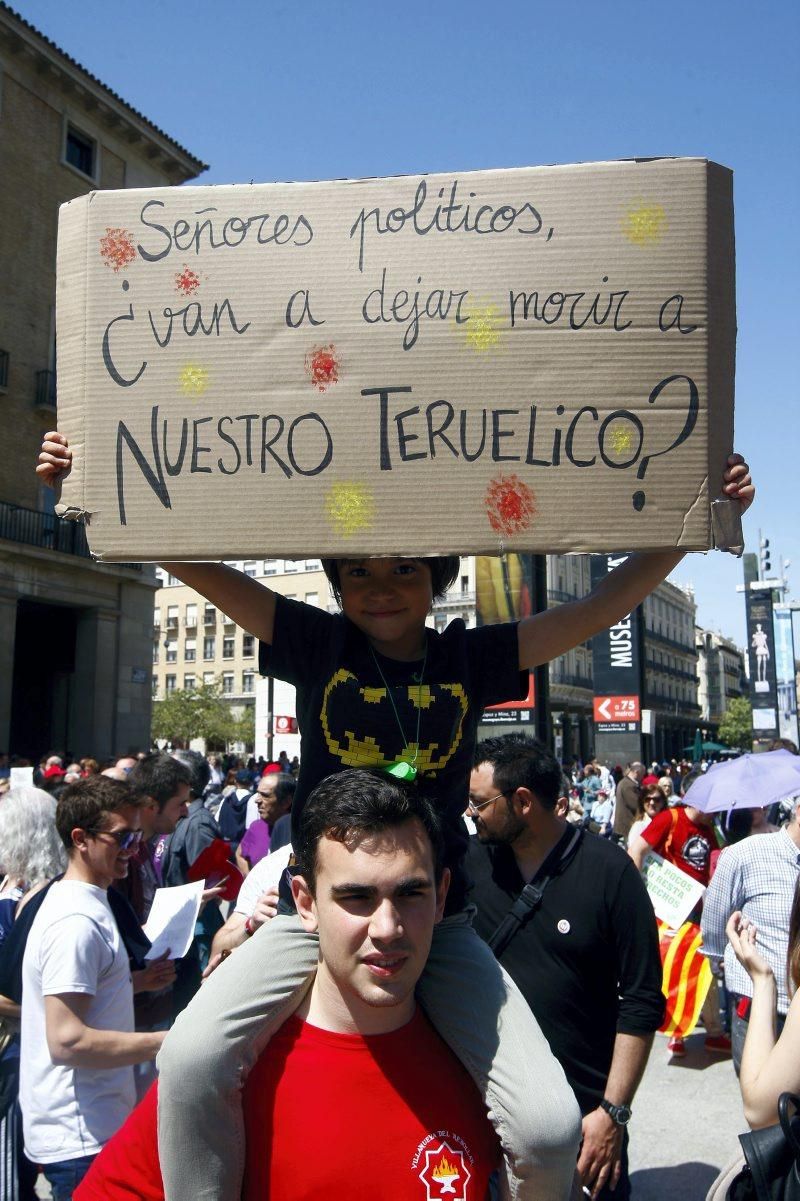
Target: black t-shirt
346, 718
587, 961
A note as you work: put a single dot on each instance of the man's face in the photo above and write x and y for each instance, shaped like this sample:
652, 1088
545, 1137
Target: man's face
375, 905
498, 821
167, 818
104, 858
269, 808
125, 764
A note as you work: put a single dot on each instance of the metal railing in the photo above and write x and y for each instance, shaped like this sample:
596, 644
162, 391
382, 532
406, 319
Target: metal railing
42, 529
45, 530
45, 389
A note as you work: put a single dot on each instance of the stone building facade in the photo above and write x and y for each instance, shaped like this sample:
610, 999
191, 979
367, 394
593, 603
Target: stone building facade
75, 636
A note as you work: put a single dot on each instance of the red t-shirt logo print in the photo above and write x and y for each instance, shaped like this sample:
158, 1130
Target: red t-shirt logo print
445, 1173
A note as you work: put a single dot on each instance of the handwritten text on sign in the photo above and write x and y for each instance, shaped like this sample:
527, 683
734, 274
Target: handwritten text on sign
487, 332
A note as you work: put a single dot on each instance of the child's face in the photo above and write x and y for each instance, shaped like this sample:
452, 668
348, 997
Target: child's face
389, 600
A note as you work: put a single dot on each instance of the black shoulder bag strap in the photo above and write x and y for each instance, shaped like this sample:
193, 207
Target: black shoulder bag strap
530, 898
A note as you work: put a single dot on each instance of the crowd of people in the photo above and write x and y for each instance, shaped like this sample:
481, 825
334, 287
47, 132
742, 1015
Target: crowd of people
532, 1072
81, 1002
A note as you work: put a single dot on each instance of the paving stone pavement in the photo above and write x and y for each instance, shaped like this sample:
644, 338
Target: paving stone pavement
686, 1119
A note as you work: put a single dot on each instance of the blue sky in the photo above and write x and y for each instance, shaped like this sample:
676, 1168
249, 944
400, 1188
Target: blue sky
312, 90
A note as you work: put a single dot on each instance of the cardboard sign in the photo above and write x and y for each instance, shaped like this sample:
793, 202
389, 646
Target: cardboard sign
537, 359
673, 893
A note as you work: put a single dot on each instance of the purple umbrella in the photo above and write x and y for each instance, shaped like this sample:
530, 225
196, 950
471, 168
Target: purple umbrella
749, 782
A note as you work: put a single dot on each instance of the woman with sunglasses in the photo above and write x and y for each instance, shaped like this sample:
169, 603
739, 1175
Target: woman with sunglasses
651, 801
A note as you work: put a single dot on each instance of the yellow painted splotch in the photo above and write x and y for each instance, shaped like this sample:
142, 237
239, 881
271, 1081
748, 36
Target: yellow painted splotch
620, 439
350, 507
644, 224
483, 331
193, 379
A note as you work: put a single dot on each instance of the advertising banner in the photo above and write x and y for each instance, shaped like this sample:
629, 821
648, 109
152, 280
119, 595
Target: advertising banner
761, 656
616, 664
504, 592
785, 674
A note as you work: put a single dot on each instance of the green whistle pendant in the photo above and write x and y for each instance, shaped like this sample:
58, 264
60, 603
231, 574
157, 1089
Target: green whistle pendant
401, 770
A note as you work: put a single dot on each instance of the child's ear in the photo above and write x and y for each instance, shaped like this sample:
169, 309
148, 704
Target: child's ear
306, 906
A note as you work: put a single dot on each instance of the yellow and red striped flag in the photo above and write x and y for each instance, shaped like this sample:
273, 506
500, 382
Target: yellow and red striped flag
686, 977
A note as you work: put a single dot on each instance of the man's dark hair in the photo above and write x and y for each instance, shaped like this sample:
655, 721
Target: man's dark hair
285, 788
444, 571
689, 779
199, 770
359, 801
521, 762
159, 776
86, 804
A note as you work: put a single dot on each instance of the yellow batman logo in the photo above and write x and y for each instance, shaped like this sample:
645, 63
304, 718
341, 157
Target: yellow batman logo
349, 710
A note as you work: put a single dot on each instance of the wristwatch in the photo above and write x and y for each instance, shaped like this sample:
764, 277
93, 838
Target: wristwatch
621, 1114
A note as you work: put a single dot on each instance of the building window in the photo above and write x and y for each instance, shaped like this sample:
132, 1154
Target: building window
208, 677
172, 617
80, 151
289, 565
248, 681
170, 684
209, 616
227, 683
312, 598
228, 646
156, 616
189, 683
155, 652
154, 682
3, 368
172, 580
313, 565
191, 615
209, 647
248, 646
270, 567
172, 650
465, 583
250, 569
190, 650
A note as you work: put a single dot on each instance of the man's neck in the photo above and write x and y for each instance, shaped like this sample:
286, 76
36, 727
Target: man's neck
78, 872
793, 830
326, 1007
532, 847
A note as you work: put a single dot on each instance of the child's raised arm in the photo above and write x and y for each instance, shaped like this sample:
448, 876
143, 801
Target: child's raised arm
250, 604
545, 636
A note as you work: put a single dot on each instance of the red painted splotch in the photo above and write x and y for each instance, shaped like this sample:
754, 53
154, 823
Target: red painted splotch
117, 248
187, 281
323, 367
510, 505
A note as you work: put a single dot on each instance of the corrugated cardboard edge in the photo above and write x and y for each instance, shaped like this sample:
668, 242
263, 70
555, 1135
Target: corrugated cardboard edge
726, 517
71, 286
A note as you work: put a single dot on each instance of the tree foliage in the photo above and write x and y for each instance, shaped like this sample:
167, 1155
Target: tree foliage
201, 712
736, 726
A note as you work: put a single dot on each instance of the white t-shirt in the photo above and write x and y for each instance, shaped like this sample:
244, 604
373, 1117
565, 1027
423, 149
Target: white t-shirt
74, 946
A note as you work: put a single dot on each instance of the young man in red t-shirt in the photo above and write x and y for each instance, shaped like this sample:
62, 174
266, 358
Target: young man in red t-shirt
357, 1095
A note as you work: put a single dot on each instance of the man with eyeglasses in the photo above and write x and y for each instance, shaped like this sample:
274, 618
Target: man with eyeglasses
584, 949
77, 1030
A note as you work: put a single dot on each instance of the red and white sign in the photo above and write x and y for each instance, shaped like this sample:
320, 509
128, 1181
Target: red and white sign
616, 708
285, 725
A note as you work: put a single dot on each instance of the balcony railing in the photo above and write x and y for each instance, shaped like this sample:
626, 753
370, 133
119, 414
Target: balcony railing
45, 389
45, 530
42, 529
